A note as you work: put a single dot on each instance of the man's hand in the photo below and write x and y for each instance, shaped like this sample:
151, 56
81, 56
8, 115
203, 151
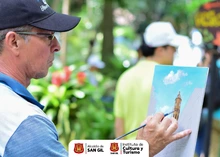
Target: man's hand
159, 132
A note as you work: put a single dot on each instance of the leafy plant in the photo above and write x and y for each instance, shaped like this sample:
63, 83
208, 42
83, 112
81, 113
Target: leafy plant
76, 107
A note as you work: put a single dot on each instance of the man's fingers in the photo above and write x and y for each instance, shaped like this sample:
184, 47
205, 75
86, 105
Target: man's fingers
157, 118
147, 120
172, 128
180, 135
166, 122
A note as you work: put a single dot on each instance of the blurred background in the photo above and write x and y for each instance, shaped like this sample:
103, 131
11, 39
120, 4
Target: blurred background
78, 91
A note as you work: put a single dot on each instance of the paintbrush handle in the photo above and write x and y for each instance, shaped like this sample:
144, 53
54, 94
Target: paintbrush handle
130, 132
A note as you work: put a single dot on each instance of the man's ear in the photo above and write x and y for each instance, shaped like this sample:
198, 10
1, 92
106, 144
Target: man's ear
12, 41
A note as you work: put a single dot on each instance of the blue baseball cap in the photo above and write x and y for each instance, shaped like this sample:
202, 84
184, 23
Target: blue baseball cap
37, 13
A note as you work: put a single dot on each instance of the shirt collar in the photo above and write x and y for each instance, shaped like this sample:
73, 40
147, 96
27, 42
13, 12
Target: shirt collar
19, 89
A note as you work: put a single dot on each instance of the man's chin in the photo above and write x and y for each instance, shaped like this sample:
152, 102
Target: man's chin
41, 75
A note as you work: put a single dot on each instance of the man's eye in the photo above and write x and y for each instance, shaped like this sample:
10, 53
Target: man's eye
50, 37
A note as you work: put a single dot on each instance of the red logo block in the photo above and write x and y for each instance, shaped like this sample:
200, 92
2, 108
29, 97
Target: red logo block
78, 148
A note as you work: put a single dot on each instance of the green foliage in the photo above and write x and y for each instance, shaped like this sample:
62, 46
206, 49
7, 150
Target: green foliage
75, 106
126, 31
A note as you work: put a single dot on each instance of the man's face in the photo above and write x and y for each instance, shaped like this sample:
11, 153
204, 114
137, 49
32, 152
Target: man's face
38, 54
168, 55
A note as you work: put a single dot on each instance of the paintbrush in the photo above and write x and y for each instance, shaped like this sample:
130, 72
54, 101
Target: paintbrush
139, 127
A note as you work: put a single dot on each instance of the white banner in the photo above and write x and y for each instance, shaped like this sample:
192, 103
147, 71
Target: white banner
108, 148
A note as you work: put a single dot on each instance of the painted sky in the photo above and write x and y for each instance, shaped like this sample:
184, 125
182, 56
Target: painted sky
170, 80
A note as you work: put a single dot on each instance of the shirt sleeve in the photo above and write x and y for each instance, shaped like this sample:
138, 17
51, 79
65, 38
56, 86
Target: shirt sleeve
36, 136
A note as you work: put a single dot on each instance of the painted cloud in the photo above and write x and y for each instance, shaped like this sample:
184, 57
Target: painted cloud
172, 77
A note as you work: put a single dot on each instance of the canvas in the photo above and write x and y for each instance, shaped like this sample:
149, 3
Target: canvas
181, 90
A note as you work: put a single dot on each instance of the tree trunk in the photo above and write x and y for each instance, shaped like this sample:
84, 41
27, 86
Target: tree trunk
65, 10
107, 29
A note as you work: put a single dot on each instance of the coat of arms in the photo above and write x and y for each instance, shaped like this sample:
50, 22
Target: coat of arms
78, 148
114, 147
